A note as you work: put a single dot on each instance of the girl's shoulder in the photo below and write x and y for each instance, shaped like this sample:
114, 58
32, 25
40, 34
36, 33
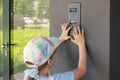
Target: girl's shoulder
64, 76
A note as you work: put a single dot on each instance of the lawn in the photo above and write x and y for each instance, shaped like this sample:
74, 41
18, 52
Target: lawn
21, 37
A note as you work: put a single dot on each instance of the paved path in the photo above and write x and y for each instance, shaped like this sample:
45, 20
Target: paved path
19, 76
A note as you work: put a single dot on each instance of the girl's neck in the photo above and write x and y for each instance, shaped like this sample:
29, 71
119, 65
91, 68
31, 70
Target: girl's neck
43, 72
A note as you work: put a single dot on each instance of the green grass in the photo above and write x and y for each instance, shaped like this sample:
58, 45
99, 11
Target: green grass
21, 37
0, 53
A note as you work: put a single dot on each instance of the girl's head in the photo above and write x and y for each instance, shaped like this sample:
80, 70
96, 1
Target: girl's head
39, 51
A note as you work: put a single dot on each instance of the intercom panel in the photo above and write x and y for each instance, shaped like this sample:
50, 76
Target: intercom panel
74, 14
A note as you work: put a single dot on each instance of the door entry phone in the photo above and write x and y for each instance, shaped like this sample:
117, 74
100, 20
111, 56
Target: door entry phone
73, 15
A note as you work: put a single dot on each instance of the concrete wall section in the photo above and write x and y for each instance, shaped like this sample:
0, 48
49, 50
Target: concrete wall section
95, 20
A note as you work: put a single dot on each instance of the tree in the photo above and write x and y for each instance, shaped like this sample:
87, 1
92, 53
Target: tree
43, 8
27, 8
24, 7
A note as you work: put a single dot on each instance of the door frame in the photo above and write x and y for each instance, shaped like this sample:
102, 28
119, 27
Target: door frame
6, 25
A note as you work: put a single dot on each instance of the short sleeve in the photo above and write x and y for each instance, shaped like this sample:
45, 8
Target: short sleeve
64, 76
33, 73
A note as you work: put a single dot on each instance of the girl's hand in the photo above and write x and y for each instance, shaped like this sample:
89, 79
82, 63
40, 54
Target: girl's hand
64, 35
79, 38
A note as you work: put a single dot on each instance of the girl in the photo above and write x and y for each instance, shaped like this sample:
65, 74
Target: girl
39, 56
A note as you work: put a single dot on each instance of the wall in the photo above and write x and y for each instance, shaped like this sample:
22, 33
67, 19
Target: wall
95, 19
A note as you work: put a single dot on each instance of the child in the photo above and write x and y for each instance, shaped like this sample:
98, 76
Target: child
39, 56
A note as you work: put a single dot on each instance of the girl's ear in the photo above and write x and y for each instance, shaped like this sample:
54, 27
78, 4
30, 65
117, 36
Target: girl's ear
49, 62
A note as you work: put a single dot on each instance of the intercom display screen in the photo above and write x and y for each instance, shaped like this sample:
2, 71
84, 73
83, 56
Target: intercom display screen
73, 10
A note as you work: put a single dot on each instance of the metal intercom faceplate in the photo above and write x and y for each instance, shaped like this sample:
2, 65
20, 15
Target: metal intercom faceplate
74, 14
